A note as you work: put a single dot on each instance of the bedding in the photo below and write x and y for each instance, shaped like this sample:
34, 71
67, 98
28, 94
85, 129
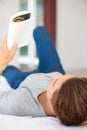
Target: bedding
8, 122
28, 123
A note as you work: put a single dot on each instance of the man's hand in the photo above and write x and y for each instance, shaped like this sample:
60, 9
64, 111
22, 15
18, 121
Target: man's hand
5, 54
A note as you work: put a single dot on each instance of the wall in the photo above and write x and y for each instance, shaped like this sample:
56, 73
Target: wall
71, 30
72, 33
7, 8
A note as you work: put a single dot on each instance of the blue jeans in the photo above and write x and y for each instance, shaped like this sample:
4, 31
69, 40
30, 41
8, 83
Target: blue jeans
49, 60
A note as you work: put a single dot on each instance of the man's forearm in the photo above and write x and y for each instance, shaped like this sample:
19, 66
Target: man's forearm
6, 55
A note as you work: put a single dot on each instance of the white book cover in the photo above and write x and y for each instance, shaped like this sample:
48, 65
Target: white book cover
20, 29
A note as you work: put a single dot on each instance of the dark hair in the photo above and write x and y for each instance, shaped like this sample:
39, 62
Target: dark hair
70, 102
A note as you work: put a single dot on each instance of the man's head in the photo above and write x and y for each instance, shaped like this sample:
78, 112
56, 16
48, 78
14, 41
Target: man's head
69, 102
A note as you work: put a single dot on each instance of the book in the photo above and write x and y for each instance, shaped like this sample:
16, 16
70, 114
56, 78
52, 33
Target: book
20, 29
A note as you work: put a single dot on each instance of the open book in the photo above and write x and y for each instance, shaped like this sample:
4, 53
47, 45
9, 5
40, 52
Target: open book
20, 29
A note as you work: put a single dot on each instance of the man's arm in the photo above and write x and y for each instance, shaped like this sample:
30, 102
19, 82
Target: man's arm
16, 102
5, 54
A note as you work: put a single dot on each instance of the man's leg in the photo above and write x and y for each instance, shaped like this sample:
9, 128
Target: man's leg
49, 60
14, 75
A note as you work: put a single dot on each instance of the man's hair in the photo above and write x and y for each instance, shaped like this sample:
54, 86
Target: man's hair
70, 102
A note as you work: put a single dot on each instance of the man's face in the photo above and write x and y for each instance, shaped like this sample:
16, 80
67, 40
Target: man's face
56, 82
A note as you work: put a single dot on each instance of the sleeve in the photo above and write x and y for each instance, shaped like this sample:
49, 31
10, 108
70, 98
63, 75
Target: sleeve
15, 102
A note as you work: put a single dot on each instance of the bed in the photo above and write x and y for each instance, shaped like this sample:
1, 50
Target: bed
8, 122
28, 123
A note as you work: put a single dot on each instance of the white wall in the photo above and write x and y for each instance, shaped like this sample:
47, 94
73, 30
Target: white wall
71, 30
72, 33
7, 8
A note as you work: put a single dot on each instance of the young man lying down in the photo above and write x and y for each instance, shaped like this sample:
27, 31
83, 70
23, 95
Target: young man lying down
46, 91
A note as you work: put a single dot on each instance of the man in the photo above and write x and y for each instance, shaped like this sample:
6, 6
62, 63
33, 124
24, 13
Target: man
46, 91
